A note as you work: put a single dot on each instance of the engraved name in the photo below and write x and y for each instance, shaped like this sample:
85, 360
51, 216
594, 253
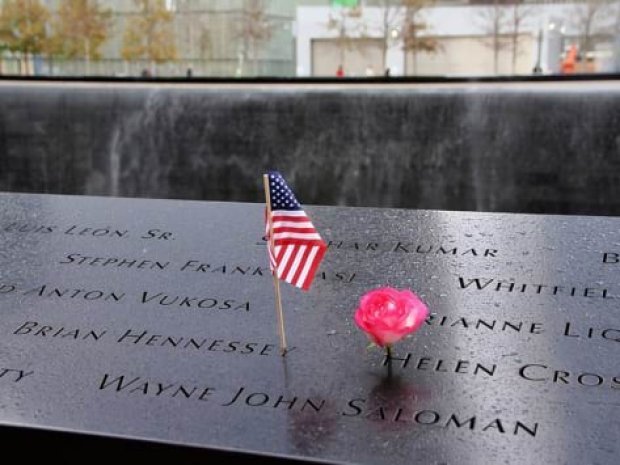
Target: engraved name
362, 408
513, 287
195, 267
567, 329
140, 337
84, 231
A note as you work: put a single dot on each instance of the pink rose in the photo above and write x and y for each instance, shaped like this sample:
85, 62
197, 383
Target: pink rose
388, 315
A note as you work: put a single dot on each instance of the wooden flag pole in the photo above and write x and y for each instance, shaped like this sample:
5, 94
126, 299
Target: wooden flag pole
276, 281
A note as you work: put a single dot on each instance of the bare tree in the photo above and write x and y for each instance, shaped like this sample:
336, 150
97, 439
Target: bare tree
414, 30
400, 21
205, 43
517, 17
193, 31
494, 20
345, 22
585, 19
255, 29
390, 23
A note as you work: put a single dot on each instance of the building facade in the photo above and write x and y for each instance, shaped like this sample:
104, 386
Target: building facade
235, 38
470, 39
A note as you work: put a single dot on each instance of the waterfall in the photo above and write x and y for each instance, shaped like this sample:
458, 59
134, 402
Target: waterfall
115, 163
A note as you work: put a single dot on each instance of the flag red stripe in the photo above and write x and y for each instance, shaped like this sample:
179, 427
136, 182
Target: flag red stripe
287, 266
315, 265
272, 258
282, 262
297, 219
280, 254
300, 268
297, 265
308, 265
299, 242
294, 230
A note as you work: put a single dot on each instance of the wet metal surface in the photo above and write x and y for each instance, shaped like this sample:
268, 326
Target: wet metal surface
154, 320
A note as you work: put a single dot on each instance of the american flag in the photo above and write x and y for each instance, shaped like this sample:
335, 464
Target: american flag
297, 246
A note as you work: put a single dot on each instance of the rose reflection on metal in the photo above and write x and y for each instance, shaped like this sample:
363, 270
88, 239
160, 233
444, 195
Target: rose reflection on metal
387, 315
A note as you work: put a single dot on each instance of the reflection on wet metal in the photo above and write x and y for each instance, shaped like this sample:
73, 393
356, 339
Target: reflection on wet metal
152, 319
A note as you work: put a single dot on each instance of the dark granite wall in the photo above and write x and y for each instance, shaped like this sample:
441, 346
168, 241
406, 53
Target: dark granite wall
487, 147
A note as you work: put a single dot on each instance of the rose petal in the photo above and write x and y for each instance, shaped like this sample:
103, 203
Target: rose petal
387, 314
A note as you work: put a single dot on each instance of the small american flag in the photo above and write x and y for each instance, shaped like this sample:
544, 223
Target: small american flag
297, 246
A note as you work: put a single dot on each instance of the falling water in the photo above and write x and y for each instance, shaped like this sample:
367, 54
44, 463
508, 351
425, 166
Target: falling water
115, 163
472, 148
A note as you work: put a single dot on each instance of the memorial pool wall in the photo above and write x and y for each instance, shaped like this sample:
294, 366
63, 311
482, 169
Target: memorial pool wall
536, 147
